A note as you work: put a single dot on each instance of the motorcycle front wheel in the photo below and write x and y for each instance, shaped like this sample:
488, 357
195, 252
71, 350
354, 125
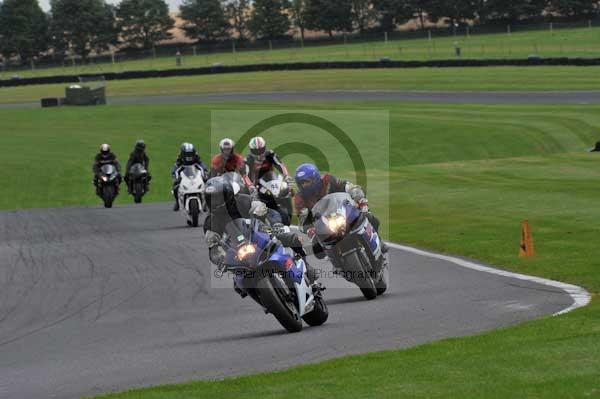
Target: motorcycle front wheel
359, 276
275, 304
138, 192
194, 212
108, 196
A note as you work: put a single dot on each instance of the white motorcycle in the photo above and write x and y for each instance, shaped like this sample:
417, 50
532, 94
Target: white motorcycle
191, 193
274, 191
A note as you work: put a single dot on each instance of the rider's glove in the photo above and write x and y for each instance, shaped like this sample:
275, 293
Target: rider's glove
258, 208
289, 180
212, 239
363, 205
217, 255
279, 228
311, 233
253, 192
356, 192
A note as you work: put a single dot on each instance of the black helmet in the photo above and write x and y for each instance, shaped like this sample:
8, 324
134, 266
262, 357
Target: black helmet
188, 153
140, 146
219, 192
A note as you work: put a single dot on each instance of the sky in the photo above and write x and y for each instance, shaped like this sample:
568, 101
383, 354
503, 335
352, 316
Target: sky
174, 4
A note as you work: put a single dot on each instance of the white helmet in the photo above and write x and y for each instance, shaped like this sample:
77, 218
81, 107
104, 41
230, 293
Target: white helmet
227, 146
258, 147
105, 149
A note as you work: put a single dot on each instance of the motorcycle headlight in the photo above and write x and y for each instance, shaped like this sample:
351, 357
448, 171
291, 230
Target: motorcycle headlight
336, 223
104, 178
246, 250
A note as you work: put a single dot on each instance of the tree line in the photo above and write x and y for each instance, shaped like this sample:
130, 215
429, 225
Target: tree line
84, 26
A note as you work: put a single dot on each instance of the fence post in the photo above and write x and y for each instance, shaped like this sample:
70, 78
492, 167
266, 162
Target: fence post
590, 24
153, 52
270, 45
345, 45
301, 42
429, 34
386, 38
468, 31
551, 27
32, 65
194, 50
508, 30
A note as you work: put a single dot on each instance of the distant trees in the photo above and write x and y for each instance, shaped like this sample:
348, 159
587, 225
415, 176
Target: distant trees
204, 19
269, 19
391, 13
574, 8
83, 25
23, 29
298, 14
143, 23
329, 15
237, 11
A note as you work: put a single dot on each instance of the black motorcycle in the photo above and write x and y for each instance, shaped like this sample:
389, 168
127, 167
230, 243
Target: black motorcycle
108, 184
138, 182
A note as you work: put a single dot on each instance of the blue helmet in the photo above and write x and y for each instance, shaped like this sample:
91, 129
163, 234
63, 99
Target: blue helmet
308, 178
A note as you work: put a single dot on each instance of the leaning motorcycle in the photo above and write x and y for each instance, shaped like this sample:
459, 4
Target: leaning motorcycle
274, 277
108, 184
191, 193
275, 192
351, 243
138, 182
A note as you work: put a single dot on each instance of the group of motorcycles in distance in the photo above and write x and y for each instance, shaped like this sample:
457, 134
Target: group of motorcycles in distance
267, 261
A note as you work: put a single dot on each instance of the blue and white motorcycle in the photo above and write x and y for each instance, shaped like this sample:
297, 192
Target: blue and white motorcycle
271, 274
351, 243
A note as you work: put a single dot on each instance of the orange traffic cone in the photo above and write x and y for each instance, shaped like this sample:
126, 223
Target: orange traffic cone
526, 249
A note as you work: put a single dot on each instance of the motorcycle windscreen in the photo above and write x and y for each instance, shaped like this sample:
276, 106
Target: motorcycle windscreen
245, 245
190, 172
331, 203
108, 170
137, 169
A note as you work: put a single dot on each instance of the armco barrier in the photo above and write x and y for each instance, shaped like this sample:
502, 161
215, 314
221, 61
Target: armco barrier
299, 66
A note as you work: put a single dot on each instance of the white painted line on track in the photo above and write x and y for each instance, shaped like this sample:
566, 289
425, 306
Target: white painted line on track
579, 295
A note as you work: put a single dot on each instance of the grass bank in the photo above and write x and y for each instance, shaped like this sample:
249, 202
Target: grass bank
435, 79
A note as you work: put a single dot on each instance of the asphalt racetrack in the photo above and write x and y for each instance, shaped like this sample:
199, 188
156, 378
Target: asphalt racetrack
95, 300
460, 97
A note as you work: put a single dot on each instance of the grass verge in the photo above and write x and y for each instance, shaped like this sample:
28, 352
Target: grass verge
440, 79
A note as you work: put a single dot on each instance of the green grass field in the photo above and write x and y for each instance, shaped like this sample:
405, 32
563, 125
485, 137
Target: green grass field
463, 178
582, 42
443, 79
